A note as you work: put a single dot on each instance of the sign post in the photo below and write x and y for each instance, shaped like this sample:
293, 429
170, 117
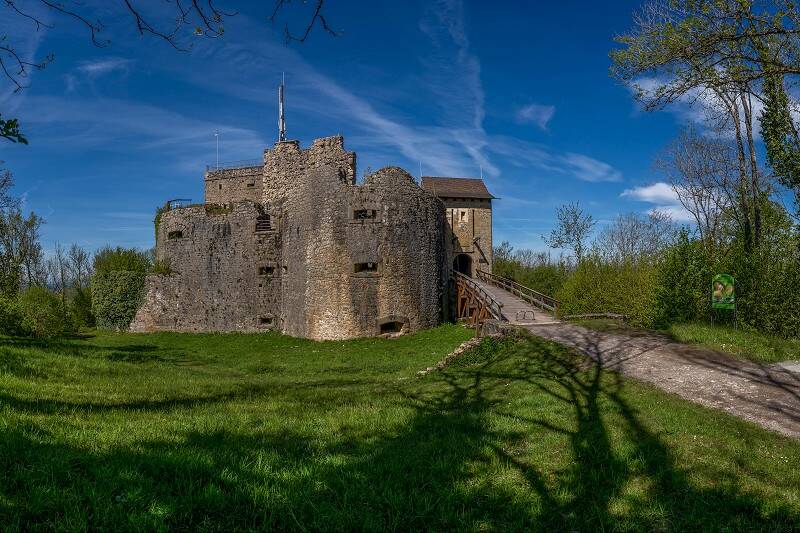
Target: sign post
723, 294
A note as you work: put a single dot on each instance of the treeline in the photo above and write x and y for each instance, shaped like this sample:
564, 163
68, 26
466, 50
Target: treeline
67, 290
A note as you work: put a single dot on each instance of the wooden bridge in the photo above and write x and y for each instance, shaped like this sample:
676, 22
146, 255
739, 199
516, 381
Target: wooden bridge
499, 298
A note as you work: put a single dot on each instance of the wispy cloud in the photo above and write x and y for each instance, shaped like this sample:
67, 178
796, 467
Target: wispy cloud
537, 114
104, 66
586, 168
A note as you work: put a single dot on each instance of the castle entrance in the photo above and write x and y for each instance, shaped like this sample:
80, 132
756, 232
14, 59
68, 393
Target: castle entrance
463, 263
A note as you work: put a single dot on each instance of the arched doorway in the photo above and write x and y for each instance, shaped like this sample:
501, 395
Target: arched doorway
463, 263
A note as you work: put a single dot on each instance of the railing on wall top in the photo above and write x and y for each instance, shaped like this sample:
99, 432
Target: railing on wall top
228, 165
533, 297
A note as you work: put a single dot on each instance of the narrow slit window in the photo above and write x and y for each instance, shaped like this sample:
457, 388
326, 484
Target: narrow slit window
263, 223
364, 214
365, 267
266, 270
174, 235
220, 186
251, 184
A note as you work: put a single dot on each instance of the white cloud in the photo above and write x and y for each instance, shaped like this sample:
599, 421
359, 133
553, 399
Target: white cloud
537, 114
657, 193
663, 196
589, 169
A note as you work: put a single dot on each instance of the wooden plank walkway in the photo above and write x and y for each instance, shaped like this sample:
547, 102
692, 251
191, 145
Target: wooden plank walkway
516, 310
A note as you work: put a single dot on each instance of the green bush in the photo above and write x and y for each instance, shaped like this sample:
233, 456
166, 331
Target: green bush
113, 259
81, 308
11, 317
116, 296
683, 284
44, 315
597, 286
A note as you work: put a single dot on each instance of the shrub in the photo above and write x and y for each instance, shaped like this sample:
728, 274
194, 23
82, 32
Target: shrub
597, 286
116, 296
44, 315
81, 308
11, 317
683, 284
112, 259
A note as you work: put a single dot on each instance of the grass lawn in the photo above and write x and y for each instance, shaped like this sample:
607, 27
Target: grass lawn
222, 432
740, 343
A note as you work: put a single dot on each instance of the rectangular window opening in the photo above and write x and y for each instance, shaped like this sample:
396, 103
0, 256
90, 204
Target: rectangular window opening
266, 270
251, 184
265, 320
365, 267
391, 327
263, 223
174, 235
364, 214
220, 186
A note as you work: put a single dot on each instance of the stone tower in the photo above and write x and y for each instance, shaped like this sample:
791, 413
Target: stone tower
468, 206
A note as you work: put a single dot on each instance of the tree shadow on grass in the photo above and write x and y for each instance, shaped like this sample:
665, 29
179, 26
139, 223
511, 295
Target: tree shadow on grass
453, 464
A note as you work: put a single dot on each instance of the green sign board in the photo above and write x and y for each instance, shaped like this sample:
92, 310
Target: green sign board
723, 295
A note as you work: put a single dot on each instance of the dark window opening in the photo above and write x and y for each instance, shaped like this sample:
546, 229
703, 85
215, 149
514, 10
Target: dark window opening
220, 186
265, 320
263, 223
391, 327
266, 271
174, 235
364, 214
365, 267
251, 184
463, 263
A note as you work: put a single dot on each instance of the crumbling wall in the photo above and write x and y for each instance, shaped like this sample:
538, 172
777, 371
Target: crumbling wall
221, 278
231, 185
347, 274
286, 165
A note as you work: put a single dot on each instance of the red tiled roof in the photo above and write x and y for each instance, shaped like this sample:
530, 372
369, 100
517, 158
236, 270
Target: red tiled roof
456, 187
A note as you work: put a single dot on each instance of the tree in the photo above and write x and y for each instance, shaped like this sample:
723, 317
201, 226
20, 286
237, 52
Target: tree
634, 238
702, 170
780, 135
189, 18
712, 53
572, 230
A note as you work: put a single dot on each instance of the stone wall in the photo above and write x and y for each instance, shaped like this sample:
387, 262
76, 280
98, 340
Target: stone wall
338, 260
219, 279
286, 166
234, 185
324, 295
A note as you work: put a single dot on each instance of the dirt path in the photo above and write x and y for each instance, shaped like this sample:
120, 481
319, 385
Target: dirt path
768, 395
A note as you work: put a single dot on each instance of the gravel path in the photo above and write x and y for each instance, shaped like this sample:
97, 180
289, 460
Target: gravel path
768, 395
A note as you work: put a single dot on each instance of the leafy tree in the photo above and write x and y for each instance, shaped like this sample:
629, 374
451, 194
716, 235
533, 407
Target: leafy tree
780, 135
572, 230
9, 129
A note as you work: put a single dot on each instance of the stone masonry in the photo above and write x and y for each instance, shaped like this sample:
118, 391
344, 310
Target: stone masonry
298, 246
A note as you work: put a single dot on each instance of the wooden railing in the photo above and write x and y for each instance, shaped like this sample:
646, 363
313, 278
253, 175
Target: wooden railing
536, 298
473, 302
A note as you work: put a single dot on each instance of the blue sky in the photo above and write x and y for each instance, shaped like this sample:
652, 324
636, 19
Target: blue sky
522, 92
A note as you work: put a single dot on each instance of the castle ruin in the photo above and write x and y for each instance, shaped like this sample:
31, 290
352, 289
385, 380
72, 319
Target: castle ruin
294, 244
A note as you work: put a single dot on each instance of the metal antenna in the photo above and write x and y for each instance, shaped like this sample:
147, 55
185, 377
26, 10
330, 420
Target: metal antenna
216, 136
481, 167
281, 118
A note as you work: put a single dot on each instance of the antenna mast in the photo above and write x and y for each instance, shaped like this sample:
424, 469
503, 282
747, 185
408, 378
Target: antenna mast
281, 118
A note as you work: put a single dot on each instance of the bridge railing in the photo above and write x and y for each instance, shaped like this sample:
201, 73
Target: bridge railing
473, 302
533, 297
